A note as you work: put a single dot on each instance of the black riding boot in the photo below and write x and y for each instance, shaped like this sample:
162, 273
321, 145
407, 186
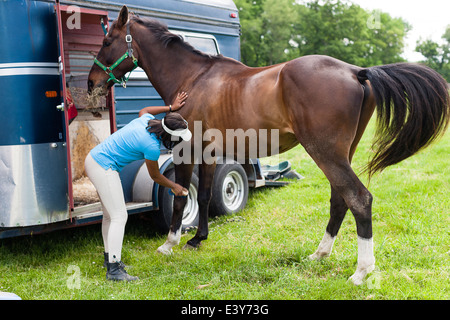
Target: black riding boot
116, 271
105, 262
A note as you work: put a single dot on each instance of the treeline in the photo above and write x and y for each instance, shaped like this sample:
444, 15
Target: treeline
275, 31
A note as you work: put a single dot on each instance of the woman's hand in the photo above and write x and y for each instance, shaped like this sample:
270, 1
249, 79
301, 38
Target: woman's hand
177, 104
179, 191
179, 101
157, 177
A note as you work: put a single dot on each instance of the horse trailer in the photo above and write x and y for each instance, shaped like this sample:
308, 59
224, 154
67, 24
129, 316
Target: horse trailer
47, 52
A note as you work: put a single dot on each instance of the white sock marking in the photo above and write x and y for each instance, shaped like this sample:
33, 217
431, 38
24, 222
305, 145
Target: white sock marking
325, 247
173, 239
366, 260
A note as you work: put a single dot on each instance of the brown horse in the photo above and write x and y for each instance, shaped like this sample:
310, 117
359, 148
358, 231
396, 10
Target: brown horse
318, 101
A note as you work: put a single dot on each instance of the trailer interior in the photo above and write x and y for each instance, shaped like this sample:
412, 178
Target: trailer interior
82, 35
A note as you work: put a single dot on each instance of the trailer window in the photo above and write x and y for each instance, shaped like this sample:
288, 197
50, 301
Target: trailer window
206, 45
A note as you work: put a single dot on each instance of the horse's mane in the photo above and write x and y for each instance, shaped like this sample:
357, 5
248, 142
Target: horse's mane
162, 33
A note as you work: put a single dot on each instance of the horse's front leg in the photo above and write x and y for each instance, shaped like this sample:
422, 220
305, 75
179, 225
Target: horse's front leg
183, 174
206, 177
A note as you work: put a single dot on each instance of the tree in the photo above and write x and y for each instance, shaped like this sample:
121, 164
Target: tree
250, 12
333, 28
386, 40
266, 30
278, 20
437, 56
274, 31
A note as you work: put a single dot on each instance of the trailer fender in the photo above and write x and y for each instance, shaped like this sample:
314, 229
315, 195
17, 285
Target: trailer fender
138, 185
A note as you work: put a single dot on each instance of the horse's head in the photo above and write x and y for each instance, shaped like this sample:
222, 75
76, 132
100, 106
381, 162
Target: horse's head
115, 58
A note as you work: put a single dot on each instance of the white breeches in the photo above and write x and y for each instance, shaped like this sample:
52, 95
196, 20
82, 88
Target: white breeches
109, 189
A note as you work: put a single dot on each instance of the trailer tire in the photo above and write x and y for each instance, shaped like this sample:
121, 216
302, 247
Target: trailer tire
230, 189
163, 217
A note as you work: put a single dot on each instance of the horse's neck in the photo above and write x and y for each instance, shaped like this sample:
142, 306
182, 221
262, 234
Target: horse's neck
172, 69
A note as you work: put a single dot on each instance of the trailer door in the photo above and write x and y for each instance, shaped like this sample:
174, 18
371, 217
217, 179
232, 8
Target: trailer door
33, 184
61, 107
80, 36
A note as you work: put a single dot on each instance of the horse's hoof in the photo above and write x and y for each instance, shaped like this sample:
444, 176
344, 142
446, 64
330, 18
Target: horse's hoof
318, 255
356, 280
163, 250
187, 246
358, 277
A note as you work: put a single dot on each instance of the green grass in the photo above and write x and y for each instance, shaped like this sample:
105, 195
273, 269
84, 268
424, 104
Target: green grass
263, 255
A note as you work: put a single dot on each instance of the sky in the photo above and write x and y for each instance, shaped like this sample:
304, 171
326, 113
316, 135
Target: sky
428, 19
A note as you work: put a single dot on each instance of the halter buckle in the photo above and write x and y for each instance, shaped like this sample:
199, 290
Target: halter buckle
128, 38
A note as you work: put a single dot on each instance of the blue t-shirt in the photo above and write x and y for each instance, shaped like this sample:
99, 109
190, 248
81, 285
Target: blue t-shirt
130, 143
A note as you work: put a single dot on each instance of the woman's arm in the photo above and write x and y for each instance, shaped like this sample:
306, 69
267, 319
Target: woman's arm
179, 101
155, 174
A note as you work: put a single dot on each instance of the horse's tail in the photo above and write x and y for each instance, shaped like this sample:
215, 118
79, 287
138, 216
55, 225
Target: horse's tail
413, 109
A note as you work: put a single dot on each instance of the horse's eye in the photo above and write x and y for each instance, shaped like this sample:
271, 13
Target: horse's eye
106, 43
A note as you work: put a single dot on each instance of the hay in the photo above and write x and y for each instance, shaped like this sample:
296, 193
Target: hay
94, 101
84, 142
84, 192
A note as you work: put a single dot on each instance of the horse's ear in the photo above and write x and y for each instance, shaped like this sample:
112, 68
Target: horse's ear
123, 17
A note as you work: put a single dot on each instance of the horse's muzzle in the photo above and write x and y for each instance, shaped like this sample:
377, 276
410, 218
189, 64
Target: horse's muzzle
90, 86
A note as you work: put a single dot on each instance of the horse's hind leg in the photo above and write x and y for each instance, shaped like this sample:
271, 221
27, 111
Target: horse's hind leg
347, 191
338, 209
358, 199
338, 206
333, 156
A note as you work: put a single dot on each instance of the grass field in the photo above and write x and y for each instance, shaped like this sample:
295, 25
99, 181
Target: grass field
261, 253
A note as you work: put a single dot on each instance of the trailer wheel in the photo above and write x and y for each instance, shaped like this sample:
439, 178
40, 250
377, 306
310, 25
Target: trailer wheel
230, 189
163, 217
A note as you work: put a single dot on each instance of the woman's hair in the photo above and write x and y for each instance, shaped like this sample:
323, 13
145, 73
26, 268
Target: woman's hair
173, 121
